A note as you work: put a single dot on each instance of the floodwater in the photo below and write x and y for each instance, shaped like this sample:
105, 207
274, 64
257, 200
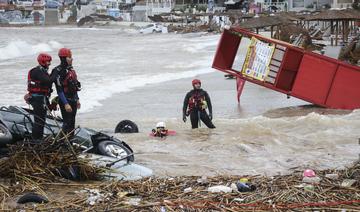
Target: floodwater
144, 78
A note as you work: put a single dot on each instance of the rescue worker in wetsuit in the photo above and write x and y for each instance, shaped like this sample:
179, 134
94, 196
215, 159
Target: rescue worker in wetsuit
67, 87
39, 88
195, 104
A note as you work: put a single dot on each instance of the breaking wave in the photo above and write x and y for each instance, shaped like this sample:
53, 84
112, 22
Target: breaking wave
93, 94
15, 49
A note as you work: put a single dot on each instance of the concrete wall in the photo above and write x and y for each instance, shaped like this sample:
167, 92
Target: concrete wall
51, 17
139, 15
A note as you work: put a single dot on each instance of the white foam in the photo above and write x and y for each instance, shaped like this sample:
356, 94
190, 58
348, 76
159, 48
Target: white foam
201, 45
19, 48
94, 93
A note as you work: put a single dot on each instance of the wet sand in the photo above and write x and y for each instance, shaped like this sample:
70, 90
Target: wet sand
288, 136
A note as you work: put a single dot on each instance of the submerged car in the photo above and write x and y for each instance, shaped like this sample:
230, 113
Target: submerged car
152, 28
103, 150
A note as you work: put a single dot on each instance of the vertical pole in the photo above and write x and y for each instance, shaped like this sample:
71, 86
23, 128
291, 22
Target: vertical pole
337, 33
239, 87
343, 30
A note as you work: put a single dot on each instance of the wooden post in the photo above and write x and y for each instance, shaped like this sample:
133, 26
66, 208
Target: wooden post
331, 27
272, 31
257, 30
343, 30
337, 33
279, 32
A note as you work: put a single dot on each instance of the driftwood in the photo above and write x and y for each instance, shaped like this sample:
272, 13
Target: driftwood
278, 193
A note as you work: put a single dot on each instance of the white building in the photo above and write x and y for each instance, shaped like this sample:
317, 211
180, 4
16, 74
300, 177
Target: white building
298, 5
151, 8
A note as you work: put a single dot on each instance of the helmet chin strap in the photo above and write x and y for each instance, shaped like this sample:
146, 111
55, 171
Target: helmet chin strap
44, 67
63, 61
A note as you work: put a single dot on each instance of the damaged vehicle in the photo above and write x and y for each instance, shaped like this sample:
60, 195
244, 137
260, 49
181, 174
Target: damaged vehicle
153, 28
101, 149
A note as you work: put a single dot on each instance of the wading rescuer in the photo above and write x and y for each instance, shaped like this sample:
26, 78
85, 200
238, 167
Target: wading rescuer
67, 87
39, 88
195, 104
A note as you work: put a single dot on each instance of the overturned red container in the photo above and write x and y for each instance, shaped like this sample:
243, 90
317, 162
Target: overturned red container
291, 70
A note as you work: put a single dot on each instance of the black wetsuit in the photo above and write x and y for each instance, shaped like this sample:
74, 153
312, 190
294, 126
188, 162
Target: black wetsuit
196, 112
69, 96
40, 100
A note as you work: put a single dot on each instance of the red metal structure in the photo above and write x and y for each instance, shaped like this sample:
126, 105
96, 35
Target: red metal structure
309, 76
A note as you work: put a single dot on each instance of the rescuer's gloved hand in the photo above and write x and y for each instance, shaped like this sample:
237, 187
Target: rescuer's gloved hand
184, 117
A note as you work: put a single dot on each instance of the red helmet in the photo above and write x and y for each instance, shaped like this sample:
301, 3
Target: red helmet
64, 52
196, 81
43, 58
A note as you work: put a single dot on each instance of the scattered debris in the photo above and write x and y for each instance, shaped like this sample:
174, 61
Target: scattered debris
309, 188
33, 198
91, 19
219, 189
203, 180
167, 194
311, 180
193, 28
348, 183
332, 176
245, 187
95, 196
155, 194
50, 160
188, 190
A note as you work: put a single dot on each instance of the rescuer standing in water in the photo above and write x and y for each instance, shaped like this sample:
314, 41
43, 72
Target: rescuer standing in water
195, 104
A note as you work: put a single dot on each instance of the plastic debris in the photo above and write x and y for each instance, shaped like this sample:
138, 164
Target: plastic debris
188, 190
348, 183
309, 173
309, 188
95, 196
245, 187
134, 201
239, 200
332, 176
203, 180
220, 188
234, 187
244, 180
311, 180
